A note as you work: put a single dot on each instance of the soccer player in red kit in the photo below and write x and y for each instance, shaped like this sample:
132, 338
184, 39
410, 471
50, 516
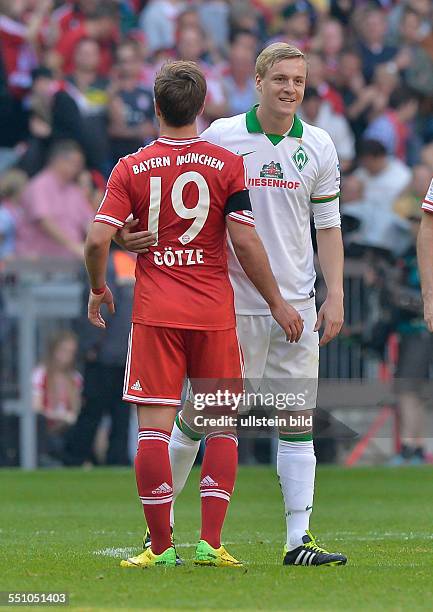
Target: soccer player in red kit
187, 192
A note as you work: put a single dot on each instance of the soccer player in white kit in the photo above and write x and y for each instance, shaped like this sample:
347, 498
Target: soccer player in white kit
292, 170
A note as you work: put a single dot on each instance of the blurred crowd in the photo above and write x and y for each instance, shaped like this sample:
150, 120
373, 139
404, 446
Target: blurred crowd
82, 72
76, 94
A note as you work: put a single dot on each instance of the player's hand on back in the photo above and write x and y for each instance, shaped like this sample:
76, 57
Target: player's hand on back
94, 307
289, 319
135, 242
331, 313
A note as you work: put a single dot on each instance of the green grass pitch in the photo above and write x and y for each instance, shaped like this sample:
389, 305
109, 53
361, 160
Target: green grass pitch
67, 530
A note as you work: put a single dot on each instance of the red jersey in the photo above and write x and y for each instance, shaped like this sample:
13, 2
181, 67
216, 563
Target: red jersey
67, 18
181, 190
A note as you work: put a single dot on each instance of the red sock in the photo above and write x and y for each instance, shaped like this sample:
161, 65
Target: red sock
155, 485
218, 475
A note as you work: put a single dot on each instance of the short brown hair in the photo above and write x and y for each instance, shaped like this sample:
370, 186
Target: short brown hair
275, 53
180, 92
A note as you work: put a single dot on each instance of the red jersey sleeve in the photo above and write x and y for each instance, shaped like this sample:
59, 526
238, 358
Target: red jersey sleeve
115, 207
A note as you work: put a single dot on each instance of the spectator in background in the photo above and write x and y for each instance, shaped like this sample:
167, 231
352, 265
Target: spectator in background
373, 49
317, 112
19, 41
131, 111
191, 46
101, 26
406, 204
358, 98
214, 17
297, 26
239, 82
72, 15
12, 184
415, 348
382, 179
416, 64
188, 18
329, 43
316, 78
158, 22
93, 186
18, 51
56, 212
245, 16
423, 8
53, 115
104, 353
89, 90
56, 388
40, 103
386, 80
394, 128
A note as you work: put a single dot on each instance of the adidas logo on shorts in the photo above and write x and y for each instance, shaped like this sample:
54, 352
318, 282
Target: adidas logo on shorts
136, 386
163, 488
208, 482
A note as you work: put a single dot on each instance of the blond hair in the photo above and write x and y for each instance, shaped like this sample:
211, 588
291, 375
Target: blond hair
276, 53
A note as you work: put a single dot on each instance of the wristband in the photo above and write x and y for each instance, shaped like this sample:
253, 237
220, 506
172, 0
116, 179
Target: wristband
99, 291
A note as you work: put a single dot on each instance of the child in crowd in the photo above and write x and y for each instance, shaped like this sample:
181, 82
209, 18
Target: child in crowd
57, 389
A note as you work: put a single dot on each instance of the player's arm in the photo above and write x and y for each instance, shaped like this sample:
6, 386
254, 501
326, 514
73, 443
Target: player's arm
96, 252
326, 213
252, 256
425, 264
331, 258
111, 215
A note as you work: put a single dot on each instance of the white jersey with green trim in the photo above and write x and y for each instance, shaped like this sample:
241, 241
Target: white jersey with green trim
288, 176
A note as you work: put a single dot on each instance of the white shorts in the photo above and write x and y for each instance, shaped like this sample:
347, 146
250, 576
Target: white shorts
274, 365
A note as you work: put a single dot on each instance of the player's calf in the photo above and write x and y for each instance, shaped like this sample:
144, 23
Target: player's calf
296, 468
218, 475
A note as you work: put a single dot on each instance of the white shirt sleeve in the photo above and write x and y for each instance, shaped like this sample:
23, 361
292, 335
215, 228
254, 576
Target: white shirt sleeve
325, 197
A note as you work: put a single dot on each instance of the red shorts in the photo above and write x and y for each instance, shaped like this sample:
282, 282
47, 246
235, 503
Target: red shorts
160, 358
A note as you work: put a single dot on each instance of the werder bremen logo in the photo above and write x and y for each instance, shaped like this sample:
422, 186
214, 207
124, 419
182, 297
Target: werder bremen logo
272, 170
300, 158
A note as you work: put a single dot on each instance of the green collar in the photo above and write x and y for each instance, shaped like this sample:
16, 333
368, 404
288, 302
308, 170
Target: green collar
254, 127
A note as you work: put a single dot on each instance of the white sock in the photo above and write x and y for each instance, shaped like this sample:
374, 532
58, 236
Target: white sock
296, 468
182, 451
